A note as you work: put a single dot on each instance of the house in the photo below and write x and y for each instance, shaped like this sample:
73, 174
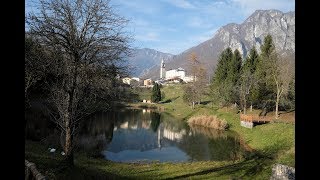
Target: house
176, 73
136, 79
147, 82
126, 80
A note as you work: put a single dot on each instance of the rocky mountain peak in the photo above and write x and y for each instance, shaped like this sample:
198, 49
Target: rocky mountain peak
281, 26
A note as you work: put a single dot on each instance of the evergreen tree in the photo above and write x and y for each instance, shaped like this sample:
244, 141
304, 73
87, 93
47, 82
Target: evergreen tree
219, 86
262, 93
290, 98
234, 68
251, 61
267, 48
223, 66
233, 77
156, 93
247, 78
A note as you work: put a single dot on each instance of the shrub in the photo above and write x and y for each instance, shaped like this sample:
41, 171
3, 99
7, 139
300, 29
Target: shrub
209, 121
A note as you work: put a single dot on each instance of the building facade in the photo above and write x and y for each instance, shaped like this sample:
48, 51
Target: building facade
147, 82
126, 80
175, 73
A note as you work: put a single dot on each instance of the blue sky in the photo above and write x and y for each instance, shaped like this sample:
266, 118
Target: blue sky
173, 26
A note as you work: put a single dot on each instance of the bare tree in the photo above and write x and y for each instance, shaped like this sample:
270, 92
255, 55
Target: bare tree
86, 34
195, 89
247, 82
281, 72
35, 63
193, 65
201, 82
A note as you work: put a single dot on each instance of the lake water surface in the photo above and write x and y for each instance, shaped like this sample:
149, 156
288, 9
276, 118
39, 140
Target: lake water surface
143, 135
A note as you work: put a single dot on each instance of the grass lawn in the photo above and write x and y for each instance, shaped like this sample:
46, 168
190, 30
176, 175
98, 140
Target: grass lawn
90, 168
272, 143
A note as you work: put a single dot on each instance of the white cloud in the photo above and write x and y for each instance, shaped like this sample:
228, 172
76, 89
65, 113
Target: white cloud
181, 4
204, 16
249, 6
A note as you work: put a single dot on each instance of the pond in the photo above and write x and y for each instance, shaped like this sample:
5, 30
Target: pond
144, 135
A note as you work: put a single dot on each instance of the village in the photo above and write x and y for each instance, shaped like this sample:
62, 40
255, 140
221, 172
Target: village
158, 90
172, 76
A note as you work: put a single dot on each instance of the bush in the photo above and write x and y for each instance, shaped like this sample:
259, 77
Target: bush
209, 121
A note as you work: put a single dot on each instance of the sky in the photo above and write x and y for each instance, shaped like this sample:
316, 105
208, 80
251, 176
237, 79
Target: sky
173, 26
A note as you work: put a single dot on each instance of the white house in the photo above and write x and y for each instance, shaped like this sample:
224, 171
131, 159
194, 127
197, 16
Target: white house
126, 80
176, 73
136, 79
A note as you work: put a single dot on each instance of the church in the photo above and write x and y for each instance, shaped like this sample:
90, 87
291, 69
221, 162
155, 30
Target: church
172, 74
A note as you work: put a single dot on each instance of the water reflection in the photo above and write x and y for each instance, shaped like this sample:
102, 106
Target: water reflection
141, 135
209, 144
145, 135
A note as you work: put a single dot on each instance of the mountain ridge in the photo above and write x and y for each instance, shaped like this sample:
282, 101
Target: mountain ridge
243, 37
143, 59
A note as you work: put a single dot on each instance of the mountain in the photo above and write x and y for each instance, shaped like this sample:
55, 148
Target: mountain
243, 36
142, 60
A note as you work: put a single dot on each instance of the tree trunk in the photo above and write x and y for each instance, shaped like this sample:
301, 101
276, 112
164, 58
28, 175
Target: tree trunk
69, 147
193, 105
277, 105
68, 119
244, 106
251, 108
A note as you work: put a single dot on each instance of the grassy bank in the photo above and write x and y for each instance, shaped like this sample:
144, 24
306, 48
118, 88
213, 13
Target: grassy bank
90, 168
272, 143
272, 140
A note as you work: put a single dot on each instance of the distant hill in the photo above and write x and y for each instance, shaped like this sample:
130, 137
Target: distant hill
243, 36
142, 60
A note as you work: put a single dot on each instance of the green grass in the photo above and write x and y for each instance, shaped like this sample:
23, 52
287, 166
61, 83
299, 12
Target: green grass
144, 93
274, 140
89, 168
272, 143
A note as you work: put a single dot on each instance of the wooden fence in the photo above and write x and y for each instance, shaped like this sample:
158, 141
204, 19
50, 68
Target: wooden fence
31, 172
254, 118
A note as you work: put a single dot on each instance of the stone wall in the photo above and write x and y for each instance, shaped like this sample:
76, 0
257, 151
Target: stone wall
282, 172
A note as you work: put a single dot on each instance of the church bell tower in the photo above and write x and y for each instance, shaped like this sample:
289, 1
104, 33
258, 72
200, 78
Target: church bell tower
162, 70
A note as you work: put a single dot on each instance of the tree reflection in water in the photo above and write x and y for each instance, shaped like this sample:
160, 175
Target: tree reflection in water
135, 134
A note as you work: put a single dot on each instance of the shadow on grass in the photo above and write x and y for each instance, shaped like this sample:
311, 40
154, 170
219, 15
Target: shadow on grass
55, 168
287, 112
205, 102
85, 173
166, 101
170, 100
254, 165
260, 123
